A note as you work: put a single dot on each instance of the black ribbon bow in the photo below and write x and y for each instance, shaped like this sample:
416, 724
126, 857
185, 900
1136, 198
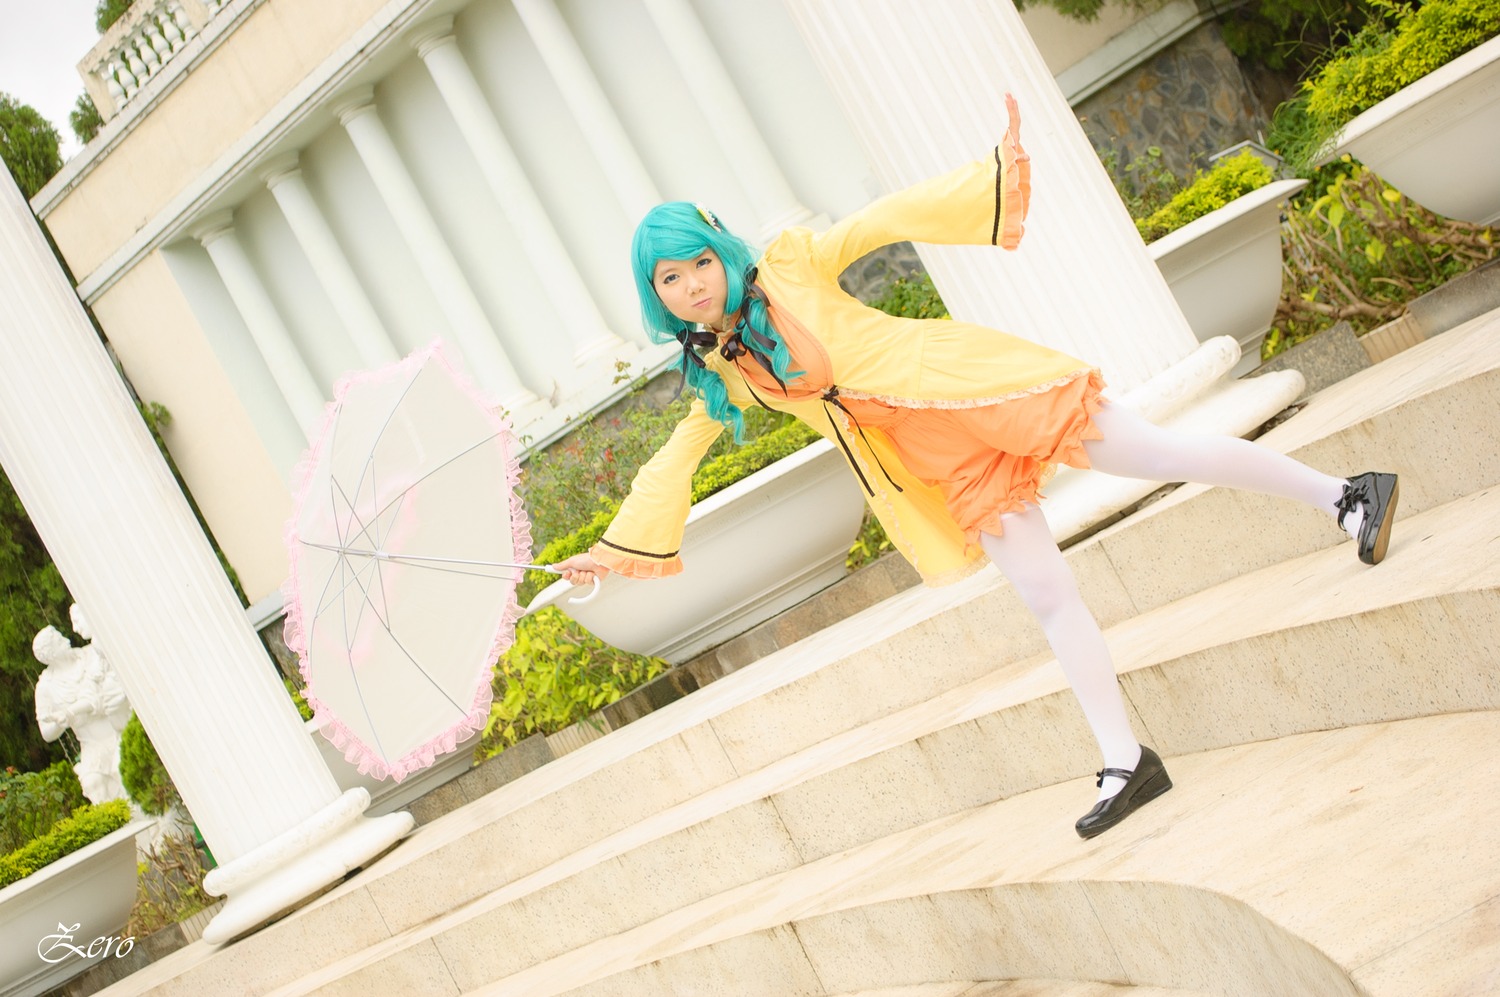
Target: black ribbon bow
736, 345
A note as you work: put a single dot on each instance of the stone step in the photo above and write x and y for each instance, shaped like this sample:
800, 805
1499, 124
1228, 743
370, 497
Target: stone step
1024, 988
1353, 861
962, 749
740, 725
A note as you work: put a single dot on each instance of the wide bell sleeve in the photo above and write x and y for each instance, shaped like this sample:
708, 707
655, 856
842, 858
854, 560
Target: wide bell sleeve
644, 539
982, 203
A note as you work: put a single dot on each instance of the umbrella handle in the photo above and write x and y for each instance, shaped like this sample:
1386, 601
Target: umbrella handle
590, 596
554, 571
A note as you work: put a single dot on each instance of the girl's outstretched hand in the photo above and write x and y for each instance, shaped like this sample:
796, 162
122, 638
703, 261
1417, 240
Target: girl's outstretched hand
1013, 126
580, 569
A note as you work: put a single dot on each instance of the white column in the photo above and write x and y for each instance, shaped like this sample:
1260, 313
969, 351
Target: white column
271, 336
623, 169
726, 116
283, 176
924, 88
129, 548
470, 327
582, 323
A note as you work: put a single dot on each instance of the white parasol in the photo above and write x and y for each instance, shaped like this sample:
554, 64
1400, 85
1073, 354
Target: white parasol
406, 545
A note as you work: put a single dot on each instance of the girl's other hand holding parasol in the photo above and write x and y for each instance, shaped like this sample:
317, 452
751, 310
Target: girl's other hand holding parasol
581, 569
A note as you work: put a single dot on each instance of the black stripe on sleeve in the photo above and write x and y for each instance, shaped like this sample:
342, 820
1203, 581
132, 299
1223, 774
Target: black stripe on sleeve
999, 197
638, 553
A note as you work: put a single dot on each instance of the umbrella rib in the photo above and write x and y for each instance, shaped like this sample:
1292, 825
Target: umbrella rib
319, 610
495, 435
475, 574
381, 555
415, 663
324, 606
372, 532
389, 416
349, 657
366, 602
471, 574
353, 517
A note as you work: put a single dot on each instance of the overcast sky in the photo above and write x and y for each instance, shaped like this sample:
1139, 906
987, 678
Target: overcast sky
41, 44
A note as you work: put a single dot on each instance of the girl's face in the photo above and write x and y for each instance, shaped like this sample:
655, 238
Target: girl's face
693, 290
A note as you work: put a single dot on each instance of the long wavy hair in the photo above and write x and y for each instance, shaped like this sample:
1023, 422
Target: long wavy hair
679, 230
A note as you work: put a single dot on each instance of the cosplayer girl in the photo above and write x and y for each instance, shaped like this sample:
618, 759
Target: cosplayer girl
951, 428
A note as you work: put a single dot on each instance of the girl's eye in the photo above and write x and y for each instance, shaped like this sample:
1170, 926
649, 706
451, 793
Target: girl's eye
669, 278
705, 261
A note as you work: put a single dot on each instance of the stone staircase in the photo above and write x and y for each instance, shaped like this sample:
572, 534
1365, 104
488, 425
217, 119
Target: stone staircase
885, 807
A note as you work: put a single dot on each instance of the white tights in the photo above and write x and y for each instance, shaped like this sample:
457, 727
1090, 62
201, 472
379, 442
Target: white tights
1027, 555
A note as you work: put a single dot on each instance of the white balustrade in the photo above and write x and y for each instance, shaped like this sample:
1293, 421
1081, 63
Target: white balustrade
139, 46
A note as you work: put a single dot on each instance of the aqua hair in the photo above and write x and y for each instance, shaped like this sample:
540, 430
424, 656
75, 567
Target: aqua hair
678, 230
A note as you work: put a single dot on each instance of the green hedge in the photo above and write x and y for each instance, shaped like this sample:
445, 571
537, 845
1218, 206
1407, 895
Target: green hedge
716, 475
1380, 60
32, 802
554, 675
1230, 178
87, 825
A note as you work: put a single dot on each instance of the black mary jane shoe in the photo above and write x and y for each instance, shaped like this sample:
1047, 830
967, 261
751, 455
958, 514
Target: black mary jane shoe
1146, 783
1376, 493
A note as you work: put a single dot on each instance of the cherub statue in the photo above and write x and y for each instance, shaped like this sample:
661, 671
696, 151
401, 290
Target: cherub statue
79, 689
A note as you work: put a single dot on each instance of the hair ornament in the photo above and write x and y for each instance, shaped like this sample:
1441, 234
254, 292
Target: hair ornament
708, 217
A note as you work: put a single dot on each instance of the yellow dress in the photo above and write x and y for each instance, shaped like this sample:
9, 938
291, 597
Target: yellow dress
949, 423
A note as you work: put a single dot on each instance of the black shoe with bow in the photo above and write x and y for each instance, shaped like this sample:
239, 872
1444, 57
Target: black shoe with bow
1375, 495
1146, 783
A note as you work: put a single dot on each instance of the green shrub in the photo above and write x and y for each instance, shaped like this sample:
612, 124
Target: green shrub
724, 470
145, 777
86, 825
592, 468
1145, 184
31, 802
1355, 249
716, 474
1230, 178
556, 674
1277, 34
911, 297
1382, 58
169, 886
298, 699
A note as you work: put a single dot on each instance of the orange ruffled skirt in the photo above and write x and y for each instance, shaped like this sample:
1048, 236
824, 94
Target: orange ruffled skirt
991, 459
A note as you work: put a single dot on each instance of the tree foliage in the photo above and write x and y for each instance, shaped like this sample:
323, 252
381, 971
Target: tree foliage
1279, 34
108, 12
85, 119
32, 595
28, 145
